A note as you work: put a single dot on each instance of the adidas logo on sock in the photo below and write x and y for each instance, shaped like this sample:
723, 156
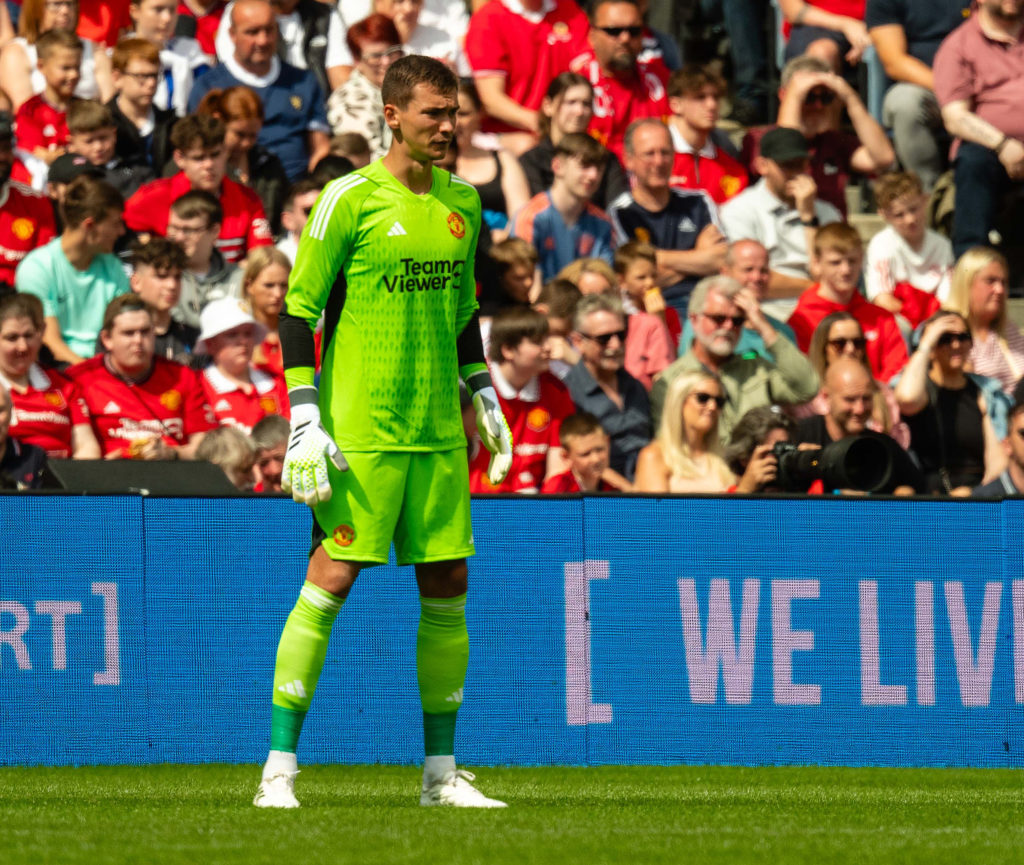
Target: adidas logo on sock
396, 230
454, 697
294, 688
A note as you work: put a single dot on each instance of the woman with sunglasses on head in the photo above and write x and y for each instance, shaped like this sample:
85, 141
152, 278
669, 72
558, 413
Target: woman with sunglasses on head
837, 335
978, 293
685, 455
567, 108
953, 421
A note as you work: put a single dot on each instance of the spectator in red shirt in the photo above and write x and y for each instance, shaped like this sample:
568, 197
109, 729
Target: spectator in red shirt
270, 436
838, 259
628, 84
199, 19
515, 48
201, 156
41, 128
694, 97
49, 411
240, 394
26, 217
533, 401
142, 406
264, 284
587, 448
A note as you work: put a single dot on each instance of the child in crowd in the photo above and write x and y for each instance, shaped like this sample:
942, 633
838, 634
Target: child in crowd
93, 134
908, 264
41, 122
649, 344
298, 202
514, 263
270, 436
232, 450
142, 128
557, 300
586, 448
156, 278
353, 146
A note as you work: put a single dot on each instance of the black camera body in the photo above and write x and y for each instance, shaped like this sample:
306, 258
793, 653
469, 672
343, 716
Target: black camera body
853, 463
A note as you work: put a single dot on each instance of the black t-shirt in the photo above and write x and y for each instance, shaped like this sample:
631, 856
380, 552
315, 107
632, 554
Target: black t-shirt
925, 22
21, 466
948, 433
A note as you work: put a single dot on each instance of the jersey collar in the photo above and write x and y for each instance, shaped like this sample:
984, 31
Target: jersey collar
530, 393
244, 76
221, 384
37, 380
681, 145
534, 17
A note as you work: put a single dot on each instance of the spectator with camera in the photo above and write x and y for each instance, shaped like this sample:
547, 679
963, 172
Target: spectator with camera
750, 453
1011, 481
719, 309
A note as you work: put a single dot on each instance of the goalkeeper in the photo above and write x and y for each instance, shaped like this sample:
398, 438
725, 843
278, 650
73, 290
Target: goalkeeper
379, 451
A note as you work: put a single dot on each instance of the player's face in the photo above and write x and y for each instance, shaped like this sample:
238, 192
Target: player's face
700, 109
204, 167
640, 277
138, 83
19, 346
652, 156
97, 146
160, 288
240, 136
750, 267
269, 464
154, 19
59, 15
588, 455
232, 350
105, 232
426, 125
268, 289
61, 71
130, 342
572, 113
840, 270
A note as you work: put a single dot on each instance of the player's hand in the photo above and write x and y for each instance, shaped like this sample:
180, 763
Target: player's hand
494, 433
304, 473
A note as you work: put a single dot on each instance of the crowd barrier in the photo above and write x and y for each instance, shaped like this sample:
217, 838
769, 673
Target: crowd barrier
604, 630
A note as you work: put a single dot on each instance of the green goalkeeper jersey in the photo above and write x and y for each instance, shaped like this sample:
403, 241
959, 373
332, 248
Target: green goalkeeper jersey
392, 271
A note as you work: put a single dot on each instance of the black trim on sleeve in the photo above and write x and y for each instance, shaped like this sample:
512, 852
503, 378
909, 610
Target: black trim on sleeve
470, 344
298, 346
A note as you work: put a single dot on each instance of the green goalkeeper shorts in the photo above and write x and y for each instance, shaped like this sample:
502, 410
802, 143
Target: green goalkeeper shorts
419, 500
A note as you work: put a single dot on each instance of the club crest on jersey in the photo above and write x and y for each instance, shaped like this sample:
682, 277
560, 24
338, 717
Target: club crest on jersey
344, 535
170, 400
22, 228
538, 419
296, 102
268, 404
457, 225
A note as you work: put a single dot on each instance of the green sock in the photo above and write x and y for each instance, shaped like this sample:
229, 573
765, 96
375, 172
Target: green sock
442, 655
300, 659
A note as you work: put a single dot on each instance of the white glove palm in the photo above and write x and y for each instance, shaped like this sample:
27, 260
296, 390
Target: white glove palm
304, 473
494, 432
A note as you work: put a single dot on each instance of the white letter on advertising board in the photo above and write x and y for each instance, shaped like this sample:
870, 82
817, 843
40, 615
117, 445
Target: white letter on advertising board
924, 633
13, 636
579, 710
974, 676
872, 691
59, 611
786, 641
111, 640
1018, 640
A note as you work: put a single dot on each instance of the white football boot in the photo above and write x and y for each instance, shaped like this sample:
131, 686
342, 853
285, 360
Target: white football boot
455, 790
277, 791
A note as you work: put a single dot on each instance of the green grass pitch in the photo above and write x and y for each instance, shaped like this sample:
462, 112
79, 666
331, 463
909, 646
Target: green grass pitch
625, 815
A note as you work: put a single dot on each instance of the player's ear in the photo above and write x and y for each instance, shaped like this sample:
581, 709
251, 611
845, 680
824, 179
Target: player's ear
391, 117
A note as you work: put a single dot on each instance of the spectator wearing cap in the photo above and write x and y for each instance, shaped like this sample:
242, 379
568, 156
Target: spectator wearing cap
1011, 481
240, 394
76, 274
782, 212
26, 218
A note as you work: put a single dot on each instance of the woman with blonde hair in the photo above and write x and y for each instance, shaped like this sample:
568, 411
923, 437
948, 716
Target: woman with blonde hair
685, 457
264, 283
978, 293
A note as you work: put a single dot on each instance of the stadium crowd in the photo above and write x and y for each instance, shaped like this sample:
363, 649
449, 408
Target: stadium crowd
662, 302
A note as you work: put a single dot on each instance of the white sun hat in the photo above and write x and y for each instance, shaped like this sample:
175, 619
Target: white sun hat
222, 315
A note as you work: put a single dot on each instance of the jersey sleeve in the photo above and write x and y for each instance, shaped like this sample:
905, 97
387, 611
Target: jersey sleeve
486, 51
197, 416
76, 403
141, 208
28, 131
258, 233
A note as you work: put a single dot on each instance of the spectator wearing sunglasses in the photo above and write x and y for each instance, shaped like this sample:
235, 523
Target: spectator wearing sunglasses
686, 455
720, 307
298, 204
599, 384
839, 335
1011, 481
952, 413
628, 83
838, 259
812, 99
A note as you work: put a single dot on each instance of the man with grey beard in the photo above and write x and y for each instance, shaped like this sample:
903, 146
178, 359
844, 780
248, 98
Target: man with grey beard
719, 309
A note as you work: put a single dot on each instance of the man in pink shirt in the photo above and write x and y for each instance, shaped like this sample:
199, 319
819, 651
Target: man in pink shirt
979, 83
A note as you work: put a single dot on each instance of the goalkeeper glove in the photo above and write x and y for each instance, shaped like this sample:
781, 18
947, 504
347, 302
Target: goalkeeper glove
304, 473
494, 433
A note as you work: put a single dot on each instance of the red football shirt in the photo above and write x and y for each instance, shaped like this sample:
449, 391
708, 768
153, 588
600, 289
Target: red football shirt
527, 49
206, 25
245, 223
102, 20
39, 124
620, 101
567, 483
534, 416
234, 406
170, 403
26, 222
46, 410
710, 169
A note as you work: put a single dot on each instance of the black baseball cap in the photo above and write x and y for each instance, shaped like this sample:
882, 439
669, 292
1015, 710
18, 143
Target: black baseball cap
784, 145
68, 166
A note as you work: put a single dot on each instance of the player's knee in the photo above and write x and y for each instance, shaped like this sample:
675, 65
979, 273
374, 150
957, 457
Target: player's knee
442, 579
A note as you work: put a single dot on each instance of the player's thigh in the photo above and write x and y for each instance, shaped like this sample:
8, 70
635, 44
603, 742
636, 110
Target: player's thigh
435, 523
358, 522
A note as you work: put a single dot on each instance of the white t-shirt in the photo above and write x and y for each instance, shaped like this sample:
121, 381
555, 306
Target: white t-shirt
891, 260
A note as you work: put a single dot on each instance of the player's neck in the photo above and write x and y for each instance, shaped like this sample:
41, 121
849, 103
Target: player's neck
417, 176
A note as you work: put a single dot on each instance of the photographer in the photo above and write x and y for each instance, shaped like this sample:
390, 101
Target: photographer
750, 450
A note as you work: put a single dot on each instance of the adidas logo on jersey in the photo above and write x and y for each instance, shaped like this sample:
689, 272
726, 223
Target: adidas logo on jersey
687, 224
294, 688
223, 405
111, 408
396, 230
